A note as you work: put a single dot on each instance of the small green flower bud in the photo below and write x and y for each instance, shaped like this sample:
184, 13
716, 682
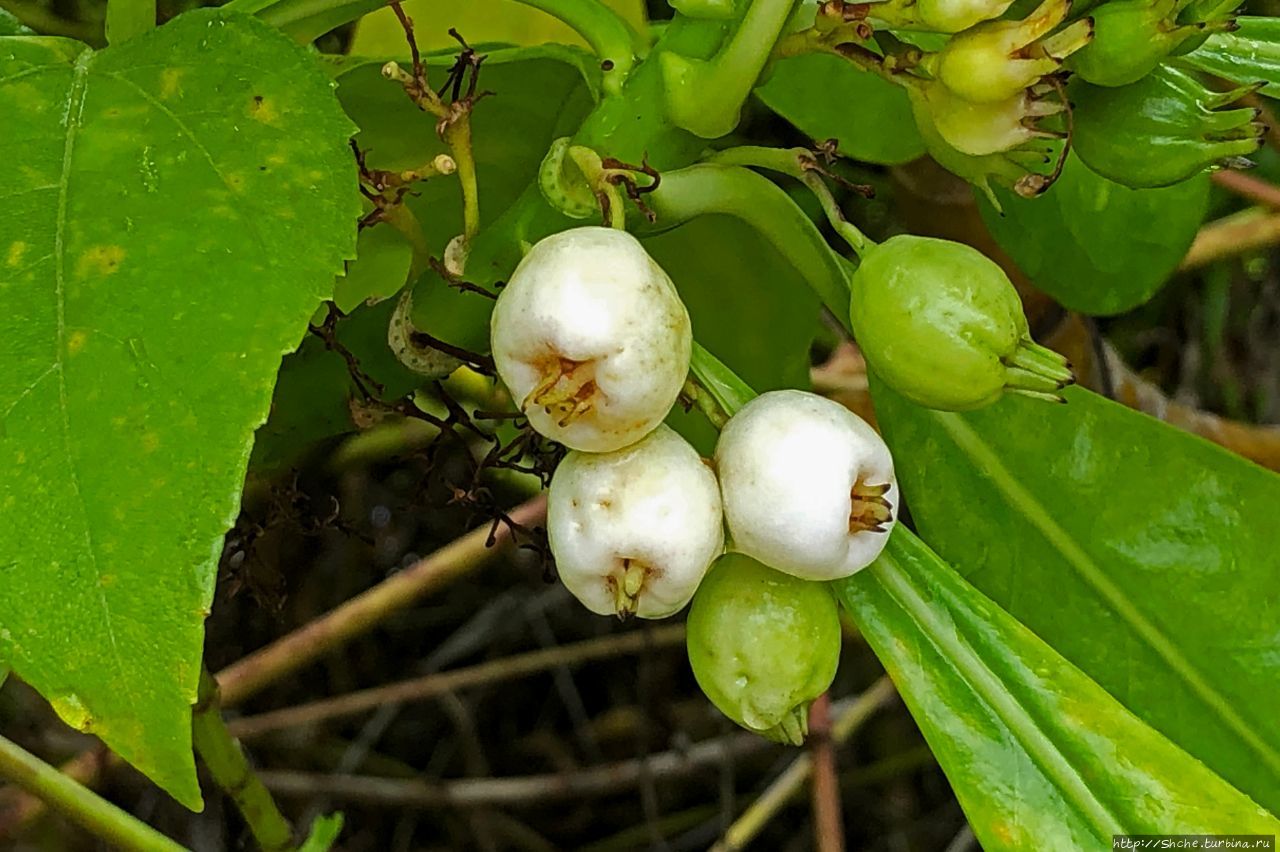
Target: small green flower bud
1131, 37
942, 325
1019, 169
985, 128
1162, 129
997, 60
939, 16
763, 645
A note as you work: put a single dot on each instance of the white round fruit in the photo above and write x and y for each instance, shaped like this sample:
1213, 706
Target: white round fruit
807, 485
591, 338
634, 531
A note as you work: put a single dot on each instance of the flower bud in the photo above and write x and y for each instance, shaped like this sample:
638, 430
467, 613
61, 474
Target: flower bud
997, 60
978, 129
633, 531
763, 645
808, 486
1131, 37
939, 16
591, 338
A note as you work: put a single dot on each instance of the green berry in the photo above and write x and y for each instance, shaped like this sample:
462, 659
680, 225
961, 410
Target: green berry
942, 325
763, 645
1161, 130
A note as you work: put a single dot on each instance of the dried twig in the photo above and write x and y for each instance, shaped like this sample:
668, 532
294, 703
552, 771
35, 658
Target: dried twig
365, 611
849, 716
432, 685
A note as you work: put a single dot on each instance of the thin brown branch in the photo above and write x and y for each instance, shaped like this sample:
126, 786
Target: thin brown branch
1248, 186
591, 782
828, 824
1232, 236
432, 685
365, 611
849, 716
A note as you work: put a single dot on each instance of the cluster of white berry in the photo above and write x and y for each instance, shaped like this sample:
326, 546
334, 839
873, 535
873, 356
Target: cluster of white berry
592, 340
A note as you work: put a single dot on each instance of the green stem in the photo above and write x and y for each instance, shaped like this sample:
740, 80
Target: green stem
45, 22
610, 37
705, 97
799, 164
457, 136
306, 20
706, 189
727, 390
79, 804
129, 18
230, 768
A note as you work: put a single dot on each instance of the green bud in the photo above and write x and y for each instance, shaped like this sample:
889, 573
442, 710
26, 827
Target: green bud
985, 128
1162, 129
997, 60
1019, 169
763, 645
939, 16
1132, 36
942, 325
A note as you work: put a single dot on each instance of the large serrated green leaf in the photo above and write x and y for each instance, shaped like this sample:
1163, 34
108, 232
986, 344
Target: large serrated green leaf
1251, 54
1039, 755
174, 210
827, 97
1144, 555
1096, 246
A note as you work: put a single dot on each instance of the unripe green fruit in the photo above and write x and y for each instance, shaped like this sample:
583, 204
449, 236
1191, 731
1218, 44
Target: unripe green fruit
1130, 38
763, 645
1160, 130
942, 325
997, 60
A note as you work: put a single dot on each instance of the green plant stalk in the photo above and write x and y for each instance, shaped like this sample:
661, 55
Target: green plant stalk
706, 96
727, 390
231, 771
78, 803
457, 136
129, 18
609, 36
707, 189
798, 163
305, 20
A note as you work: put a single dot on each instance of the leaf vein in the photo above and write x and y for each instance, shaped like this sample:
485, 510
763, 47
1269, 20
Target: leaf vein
988, 461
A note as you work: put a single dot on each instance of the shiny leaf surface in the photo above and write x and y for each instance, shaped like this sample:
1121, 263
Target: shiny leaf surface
1142, 554
1096, 246
1251, 54
1039, 755
827, 98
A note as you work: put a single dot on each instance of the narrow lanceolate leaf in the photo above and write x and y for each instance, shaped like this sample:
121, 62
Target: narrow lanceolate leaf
1251, 54
1039, 755
1142, 554
172, 212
